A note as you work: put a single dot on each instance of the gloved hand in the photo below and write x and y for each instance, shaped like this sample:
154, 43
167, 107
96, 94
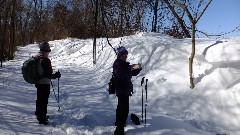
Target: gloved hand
136, 66
56, 75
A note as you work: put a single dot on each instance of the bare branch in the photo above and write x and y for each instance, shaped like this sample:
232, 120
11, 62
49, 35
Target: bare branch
105, 26
208, 35
180, 21
185, 8
221, 34
209, 2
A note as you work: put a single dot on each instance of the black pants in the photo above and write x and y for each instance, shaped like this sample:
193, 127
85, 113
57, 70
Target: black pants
122, 113
43, 91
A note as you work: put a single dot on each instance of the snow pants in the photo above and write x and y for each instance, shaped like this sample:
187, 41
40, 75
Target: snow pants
43, 91
121, 113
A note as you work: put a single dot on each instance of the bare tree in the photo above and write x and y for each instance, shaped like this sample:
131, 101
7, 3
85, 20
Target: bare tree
6, 7
103, 15
95, 30
154, 26
140, 9
1, 31
194, 18
30, 21
179, 19
12, 38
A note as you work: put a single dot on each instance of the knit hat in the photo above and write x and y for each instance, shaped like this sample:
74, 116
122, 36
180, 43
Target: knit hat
44, 47
121, 51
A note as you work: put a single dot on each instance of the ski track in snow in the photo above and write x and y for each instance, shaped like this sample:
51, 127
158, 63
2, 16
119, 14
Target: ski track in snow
87, 109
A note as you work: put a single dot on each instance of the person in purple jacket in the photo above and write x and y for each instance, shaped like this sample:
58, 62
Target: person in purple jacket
123, 72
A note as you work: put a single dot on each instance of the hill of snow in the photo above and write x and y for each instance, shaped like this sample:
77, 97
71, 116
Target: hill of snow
212, 107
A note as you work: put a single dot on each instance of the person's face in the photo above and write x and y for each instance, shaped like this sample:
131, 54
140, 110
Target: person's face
124, 57
45, 53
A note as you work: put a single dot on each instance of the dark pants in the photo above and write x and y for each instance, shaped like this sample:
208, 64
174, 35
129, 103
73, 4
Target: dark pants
121, 113
43, 91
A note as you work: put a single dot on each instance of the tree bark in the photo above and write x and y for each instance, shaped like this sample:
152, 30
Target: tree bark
4, 33
11, 49
154, 27
95, 33
192, 55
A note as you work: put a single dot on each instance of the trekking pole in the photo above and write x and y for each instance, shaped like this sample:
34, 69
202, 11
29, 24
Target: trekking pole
55, 96
146, 102
142, 96
58, 95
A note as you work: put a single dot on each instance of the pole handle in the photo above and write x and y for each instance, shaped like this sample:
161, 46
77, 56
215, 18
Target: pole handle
142, 81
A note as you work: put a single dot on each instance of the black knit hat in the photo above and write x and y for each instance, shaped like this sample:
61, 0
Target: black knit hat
44, 47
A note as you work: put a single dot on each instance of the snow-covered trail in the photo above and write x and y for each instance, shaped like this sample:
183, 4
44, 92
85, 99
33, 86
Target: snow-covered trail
17, 102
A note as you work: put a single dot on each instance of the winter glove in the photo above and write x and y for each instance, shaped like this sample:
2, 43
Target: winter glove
56, 75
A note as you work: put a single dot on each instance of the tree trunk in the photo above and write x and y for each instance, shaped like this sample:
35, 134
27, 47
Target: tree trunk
13, 29
1, 51
1, 37
4, 33
154, 27
95, 33
192, 55
120, 29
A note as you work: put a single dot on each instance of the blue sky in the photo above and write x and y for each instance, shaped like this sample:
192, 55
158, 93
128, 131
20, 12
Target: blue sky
221, 16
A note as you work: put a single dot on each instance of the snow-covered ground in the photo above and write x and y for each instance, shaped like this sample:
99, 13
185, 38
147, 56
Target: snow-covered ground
212, 107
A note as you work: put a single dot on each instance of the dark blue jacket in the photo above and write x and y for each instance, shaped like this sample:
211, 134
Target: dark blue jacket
122, 77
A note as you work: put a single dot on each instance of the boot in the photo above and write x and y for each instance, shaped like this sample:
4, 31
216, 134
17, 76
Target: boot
43, 122
41, 114
42, 119
119, 131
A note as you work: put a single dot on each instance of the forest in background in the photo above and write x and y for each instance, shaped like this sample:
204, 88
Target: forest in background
24, 22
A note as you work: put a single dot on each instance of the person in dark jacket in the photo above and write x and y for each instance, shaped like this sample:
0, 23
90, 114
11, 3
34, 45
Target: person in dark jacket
123, 72
43, 85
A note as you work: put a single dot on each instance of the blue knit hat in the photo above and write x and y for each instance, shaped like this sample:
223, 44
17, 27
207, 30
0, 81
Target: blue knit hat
121, 51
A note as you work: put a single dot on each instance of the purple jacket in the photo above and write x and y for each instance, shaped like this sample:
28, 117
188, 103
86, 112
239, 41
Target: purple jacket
122, 77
